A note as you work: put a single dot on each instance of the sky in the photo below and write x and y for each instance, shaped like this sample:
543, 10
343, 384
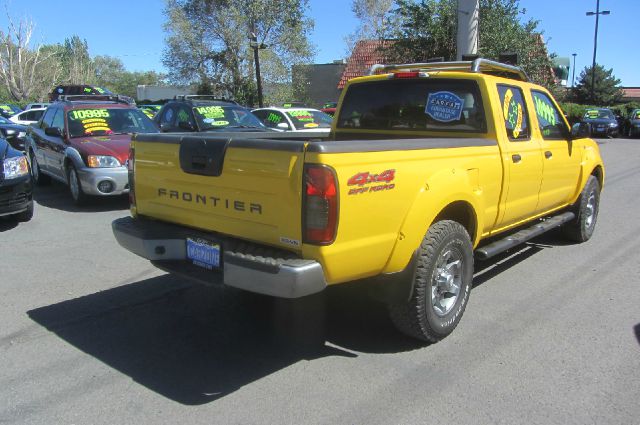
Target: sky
132, 30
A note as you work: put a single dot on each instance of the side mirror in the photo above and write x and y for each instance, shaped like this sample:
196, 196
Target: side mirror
53, 131
283, 126
580, 130
185, 125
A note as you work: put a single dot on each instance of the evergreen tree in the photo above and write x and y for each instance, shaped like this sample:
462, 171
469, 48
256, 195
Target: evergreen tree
606, 90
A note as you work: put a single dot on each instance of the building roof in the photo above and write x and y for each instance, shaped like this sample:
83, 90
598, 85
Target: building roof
630, 93
365, 54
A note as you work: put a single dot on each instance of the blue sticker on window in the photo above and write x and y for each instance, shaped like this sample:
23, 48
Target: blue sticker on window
444, 106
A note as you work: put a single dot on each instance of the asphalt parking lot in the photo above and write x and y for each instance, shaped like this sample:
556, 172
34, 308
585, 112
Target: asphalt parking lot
91, 334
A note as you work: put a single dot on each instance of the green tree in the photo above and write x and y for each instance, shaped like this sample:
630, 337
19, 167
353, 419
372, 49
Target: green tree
208, 42
111, 74
374, 20
76, 61
606, 90
427, 28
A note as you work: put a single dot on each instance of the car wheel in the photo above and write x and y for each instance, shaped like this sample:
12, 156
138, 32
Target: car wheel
36, 175
581, 228
79, 197
27, 214
441, 284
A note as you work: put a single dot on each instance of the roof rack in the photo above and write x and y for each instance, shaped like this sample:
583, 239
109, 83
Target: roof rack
203, 97
480, 65
97, 97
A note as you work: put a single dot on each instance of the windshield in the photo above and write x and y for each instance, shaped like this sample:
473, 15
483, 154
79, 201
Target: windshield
443, 105
304, 119
220, 117
594, 114
101, 121
10, 108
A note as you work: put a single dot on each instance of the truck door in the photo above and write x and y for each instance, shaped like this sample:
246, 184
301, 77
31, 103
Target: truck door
521, 157
561, 161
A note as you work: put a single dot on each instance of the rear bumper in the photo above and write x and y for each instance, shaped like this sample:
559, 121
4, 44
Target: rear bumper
251, 267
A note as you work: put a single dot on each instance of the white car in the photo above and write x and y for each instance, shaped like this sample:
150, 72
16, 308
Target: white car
37, 105
30, 116
298, 120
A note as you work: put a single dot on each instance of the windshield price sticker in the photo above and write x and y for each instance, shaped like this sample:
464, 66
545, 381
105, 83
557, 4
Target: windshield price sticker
210, 112
593, 113
444, 106
5, 108
81, 114
311, 125
92, 119
301, 115
545, 111
220, 123
274, 118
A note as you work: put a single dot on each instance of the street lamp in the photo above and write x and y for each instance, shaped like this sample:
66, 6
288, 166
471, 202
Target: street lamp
573, 77
595, 44
253, 43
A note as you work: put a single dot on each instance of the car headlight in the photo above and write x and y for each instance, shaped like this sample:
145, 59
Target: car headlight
11, 132
613, 124
16, 167
22, 134
102, 161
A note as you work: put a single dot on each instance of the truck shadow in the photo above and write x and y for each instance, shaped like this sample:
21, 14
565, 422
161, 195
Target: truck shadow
195, 344
56, 195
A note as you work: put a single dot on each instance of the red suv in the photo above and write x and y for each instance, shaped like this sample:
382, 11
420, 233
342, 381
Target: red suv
84, 143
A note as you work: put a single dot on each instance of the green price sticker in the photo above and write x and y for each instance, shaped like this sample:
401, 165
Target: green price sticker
210, 111
82, 114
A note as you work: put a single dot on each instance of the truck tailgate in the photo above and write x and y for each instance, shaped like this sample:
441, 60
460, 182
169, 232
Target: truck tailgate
247, 188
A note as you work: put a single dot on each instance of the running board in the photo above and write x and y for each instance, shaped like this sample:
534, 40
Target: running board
523, 235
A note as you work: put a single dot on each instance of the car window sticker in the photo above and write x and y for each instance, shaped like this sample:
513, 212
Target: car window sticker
92, 120
444, 106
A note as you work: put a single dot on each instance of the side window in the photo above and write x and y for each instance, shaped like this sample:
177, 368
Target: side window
270, 118
552, 125
184, 115
58, 120
47, 120
514, 110
167, 117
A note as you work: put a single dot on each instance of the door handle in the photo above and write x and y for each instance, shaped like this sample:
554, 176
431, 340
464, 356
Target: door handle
516, 158
548, 154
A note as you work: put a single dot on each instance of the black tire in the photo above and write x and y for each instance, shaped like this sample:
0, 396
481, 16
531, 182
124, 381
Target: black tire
36, 175
75, 187
27, 214
581, 228
424, 316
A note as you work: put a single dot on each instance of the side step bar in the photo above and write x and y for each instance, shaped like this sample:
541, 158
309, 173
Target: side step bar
522, 236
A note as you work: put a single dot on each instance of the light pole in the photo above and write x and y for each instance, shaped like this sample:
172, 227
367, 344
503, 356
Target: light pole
573, 77
595, 44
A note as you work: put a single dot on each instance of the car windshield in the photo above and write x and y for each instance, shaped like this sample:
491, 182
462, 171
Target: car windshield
442, 105
219, 117
594, 114
106, 121
304, 119
7, 107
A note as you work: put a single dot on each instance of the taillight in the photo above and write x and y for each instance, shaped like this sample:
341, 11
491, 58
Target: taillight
409, 74
320, 205
130, 164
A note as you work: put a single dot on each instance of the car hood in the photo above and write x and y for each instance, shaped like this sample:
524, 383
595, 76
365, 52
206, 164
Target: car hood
17, 127
115, 145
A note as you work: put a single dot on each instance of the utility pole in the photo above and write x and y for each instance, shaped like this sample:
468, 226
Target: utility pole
573, 77
595, 44
253, 43
467, 39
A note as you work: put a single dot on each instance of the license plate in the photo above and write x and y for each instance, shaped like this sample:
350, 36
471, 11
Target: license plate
203, 253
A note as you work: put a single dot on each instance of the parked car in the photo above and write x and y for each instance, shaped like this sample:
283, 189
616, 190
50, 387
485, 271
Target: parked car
602, 121
150, 110
13, 133
29, 116
16, 198
85, 144
79, 89
8, 109
632, 124
37, 105
206, 113
294, 119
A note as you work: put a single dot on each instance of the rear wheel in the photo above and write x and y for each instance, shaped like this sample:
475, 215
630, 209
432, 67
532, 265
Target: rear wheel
79, 197
441, 284
581, 228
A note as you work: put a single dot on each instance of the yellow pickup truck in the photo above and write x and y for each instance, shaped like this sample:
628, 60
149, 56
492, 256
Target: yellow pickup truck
427, 166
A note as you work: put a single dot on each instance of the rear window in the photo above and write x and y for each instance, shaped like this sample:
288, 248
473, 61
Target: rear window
414, 105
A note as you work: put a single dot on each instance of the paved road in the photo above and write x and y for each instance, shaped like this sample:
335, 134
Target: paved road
90, 334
